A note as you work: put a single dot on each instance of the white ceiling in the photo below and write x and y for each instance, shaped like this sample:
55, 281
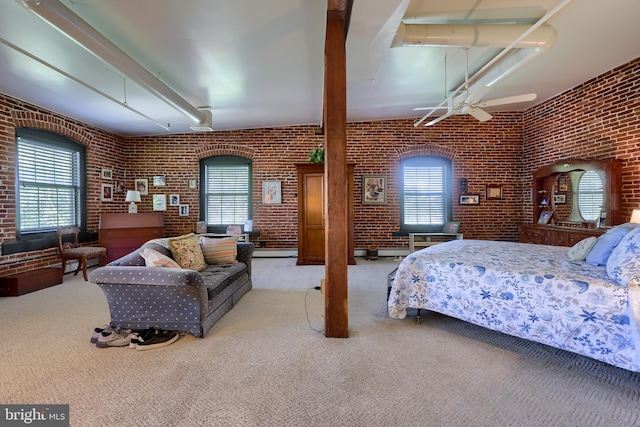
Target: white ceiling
260, 63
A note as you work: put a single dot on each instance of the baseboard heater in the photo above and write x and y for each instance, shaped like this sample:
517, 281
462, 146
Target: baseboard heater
293, 253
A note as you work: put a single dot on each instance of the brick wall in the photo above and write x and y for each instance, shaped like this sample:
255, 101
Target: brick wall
374, 147
600, 118
597, 119
104, 150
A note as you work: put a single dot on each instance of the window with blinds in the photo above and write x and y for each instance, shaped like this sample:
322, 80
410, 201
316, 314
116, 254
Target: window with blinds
227, 190
50, 171
426, 193
590, 196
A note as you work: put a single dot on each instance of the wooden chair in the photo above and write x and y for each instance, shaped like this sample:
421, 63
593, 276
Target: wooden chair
69, 249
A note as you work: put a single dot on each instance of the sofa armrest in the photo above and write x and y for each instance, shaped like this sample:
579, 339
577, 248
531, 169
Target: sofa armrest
245, 254
159, 276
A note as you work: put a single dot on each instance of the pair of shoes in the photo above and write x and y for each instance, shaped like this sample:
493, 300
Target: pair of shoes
117, 338
158, 339
98, 331
142, 336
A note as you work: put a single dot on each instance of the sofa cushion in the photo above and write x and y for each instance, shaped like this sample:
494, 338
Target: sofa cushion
154, 258
218, 277
186, 252
219, 251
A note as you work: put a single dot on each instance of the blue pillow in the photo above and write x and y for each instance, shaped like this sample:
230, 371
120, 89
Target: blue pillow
607, 243
624, 262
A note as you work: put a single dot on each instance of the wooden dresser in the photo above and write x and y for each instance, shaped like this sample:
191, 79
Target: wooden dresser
122, 233
555, 235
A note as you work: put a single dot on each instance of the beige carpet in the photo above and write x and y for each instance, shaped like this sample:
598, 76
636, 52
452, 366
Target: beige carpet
263, 365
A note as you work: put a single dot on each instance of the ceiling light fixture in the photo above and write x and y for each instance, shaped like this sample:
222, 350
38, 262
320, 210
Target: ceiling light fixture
64, 20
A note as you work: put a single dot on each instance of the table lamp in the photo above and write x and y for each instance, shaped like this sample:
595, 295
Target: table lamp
133, 196
635, 216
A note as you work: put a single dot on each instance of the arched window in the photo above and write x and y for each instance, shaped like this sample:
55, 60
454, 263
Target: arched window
50, 183
226, 192
426, 193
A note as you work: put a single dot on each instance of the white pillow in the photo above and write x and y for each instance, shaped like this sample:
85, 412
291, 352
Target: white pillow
580, 250
153, 258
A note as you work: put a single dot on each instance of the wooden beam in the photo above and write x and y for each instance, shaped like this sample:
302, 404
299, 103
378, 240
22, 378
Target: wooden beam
336, 176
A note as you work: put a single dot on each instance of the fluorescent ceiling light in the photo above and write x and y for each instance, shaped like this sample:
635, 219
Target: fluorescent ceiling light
78, 30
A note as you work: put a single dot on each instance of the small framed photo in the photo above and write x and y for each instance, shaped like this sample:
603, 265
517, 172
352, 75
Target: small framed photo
271, 192
201, 227
493, 192
106, 192
159, 202
159, 181
106, 174
451, 227
563, 183
374, 190
174, 200
559, 199
545, 216
142, 185
469, 199
193, 184
184, 210
118, 187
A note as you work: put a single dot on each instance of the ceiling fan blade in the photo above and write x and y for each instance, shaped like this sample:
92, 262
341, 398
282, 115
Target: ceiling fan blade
477, 94
429, 108
438, 119
480, 114
508, 100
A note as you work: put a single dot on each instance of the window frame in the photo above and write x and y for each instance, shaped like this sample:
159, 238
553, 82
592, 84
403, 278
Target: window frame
51, 139
448, 192
224, 160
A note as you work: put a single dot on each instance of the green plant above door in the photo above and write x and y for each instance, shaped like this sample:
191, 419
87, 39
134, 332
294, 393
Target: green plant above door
317, 155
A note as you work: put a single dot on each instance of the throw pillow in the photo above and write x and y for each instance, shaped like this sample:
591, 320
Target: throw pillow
624, 262
219, 251
186, 252
580, 250
153, 258
606, 243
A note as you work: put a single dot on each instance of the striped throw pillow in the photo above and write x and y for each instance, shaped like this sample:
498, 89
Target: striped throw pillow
219, 251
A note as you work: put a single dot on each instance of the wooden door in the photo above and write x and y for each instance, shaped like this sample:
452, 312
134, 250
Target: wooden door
312, 226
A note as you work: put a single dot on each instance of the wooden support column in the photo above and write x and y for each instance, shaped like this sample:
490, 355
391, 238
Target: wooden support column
335, 175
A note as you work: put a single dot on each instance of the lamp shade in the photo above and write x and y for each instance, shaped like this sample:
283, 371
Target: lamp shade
635, 216
132, 196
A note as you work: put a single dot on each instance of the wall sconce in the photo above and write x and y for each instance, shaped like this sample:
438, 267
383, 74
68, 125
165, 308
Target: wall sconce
133, 196
635, 216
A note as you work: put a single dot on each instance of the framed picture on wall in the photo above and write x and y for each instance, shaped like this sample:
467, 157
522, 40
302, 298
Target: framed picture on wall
159, 202
271, 192
106, 173
106, 192
184, 210
493, 192
559, 199
469, 199
174, 200
142, 185
374, 190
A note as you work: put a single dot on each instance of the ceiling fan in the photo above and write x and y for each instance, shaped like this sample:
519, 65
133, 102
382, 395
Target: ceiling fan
470, 102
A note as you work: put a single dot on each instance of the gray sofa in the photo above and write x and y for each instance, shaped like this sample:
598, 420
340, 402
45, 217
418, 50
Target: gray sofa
141, 297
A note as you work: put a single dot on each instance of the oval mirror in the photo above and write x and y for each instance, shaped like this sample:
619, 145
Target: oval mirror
590, 196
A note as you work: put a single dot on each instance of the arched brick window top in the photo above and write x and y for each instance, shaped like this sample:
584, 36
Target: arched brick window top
427, 150
46, 122
225, 150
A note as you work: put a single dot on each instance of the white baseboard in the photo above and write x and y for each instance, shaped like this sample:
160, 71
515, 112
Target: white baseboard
293, 253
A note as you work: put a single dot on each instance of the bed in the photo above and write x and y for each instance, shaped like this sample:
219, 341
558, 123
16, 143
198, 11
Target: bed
535, 292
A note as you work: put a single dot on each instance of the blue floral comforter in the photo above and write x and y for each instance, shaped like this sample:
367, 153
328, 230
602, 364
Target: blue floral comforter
530, 291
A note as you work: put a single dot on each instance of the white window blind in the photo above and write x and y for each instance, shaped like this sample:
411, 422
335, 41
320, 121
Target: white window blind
48, 186
227, 194
590, 196
424, 195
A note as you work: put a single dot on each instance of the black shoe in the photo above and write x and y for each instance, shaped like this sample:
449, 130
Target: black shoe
160, 339
142, 336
